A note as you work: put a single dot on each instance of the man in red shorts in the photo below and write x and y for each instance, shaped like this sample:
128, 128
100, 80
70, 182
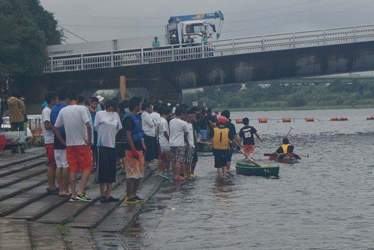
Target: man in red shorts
78, 131
134, 158
47, 128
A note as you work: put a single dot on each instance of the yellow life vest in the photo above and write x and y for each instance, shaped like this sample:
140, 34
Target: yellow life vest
285, 148
221, 139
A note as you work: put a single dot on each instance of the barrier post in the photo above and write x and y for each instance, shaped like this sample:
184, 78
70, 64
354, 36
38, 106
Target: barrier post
142, 55
324, 37
111, 59
293, 41
233, 46
51, 64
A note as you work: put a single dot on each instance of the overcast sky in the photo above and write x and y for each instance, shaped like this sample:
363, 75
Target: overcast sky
97, 20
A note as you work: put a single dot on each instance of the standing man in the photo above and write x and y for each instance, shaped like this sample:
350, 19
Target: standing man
16, 114
246, 135
134, 161
163, 135
221, 146
47, 128
78, 141
62, 171
235, 141
190, 149
94, 107
155, 43
178, 141
108, 124
149, 128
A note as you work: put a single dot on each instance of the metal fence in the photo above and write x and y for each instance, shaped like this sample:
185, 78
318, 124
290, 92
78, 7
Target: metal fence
109, 59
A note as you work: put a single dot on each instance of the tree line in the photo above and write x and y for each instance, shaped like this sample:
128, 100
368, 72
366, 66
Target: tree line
282, 95
26, 29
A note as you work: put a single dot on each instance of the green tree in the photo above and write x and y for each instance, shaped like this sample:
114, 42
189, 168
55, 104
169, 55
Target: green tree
297, 100
25, 31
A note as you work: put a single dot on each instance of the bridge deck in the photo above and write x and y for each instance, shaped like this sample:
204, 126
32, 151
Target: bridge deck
119, 58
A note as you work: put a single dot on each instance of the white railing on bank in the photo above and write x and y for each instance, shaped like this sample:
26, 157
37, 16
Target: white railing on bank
182, 52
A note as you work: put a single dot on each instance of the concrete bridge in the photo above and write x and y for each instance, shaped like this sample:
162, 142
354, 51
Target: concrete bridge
168, 70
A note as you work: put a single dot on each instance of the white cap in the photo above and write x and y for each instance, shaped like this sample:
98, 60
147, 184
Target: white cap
100, 98
174, 35
169, 104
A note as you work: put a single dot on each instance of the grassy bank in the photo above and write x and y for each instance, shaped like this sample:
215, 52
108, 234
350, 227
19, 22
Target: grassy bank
301, 108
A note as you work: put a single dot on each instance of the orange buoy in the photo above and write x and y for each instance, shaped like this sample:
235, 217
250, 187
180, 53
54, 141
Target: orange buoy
334, 119
370, 118
343, 118
286, 120
239, 121
309, 119
263, 120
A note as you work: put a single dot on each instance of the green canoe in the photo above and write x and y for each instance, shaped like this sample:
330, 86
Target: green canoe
247, 168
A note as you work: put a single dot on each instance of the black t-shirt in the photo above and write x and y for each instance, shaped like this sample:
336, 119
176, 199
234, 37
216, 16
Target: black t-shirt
129, 124
231, 127
203, 123
247, 133
58, 144
196, 131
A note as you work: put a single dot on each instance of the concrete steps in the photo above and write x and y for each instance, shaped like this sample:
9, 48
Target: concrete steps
22, 166
14, 234
120, 218
21, 176
32, 219
13, 159
46, 237
21, 187
40, 207
97, 212
68, 211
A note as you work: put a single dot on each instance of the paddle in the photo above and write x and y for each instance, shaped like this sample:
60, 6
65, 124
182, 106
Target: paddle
249, 158
275, 154
289, 131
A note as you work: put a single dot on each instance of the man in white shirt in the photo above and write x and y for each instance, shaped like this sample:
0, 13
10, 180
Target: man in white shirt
149, 129
190, 150
47, 129
163, 137
178, 141
155, 115
78, 141
107, 124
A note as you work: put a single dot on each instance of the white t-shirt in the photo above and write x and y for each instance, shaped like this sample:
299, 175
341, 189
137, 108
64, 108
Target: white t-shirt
47, 134
74, 119
107, 124
155, 117
190, 135
149, 126
163, 126
91, 123
177, 130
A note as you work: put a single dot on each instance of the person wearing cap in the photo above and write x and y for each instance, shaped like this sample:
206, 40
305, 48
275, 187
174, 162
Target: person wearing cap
221, 145
246, 135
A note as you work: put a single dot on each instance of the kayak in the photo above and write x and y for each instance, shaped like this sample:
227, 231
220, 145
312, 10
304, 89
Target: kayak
288, 160
249, 169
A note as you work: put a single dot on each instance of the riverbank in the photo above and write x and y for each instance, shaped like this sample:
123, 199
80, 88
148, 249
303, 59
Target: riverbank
301, 108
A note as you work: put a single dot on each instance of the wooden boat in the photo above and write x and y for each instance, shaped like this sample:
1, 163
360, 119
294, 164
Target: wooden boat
249, 169
204, 147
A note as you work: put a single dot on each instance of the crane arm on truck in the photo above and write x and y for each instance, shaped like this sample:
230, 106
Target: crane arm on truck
215, 15
175, 35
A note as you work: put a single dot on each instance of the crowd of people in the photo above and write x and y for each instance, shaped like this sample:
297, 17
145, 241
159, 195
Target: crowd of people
86, 135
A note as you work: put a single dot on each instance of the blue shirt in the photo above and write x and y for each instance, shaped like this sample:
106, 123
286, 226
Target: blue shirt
54, 113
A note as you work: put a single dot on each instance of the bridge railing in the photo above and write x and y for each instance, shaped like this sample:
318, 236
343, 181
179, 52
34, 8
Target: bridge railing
182, 52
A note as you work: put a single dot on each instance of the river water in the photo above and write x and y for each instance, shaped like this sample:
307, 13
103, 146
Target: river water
324, 202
